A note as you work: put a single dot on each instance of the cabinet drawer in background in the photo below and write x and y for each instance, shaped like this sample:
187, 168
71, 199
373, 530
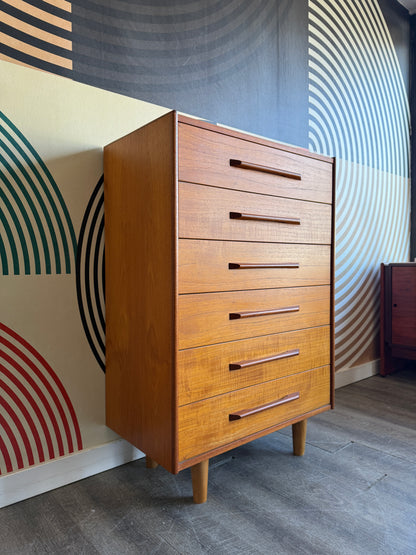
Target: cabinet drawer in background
206, 424
208, 318
204, 157
210, 265
205, 371
213, 213
403, 306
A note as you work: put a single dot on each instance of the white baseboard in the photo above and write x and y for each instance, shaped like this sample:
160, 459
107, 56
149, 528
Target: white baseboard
53, 474
356, 373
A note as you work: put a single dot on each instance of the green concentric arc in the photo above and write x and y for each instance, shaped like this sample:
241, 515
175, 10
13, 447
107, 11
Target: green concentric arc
36, 231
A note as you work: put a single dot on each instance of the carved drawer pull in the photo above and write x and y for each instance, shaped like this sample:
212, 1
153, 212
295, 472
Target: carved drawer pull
237, 315
248, 412
260, 217
247, 363
253, 265
266, 169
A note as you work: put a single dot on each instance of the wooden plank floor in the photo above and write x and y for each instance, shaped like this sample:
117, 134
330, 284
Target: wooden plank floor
354, 492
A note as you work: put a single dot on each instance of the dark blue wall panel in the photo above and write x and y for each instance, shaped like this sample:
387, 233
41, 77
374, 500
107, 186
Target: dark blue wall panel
397, 20
243, 63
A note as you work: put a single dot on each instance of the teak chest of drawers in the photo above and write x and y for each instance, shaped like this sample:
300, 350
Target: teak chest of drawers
219, 265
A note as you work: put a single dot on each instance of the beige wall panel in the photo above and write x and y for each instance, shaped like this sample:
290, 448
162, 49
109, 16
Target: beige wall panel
67, 124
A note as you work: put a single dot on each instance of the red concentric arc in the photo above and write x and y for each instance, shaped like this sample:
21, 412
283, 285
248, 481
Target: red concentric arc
37, 418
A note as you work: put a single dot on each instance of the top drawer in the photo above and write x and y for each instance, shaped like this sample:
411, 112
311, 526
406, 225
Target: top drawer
204, 158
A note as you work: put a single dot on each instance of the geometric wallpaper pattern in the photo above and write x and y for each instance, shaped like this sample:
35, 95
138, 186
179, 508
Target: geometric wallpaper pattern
182, 54
37, 419
183, 43
90, 273
359, 109
359, 112
36, 232
37, 34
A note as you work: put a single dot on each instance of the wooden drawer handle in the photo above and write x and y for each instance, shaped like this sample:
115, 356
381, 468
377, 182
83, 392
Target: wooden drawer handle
247, 363
261, 218
248, 412
266, 169
237, 315
249, 265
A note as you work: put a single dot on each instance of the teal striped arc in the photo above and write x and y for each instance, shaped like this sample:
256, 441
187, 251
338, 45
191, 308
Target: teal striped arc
36, 231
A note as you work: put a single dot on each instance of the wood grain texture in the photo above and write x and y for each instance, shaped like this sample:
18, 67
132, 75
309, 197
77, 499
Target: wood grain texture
230, 132
187, 463
299, 437
266, 169
203, 265
259, 217
246, 413
194, 290
140, 288
150, 463
204, 158
205, 425
259, 313
332, 311
243, 364
199, 473
385, 349
204, 372
203, 319
204, 213
397, 316
403, 311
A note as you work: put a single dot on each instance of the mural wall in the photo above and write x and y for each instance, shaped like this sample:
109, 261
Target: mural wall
330, 76
52, 131
359, 112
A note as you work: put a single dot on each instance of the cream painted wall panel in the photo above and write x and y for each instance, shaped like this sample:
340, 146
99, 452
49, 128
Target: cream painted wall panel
44, 310
52, 124
69, 123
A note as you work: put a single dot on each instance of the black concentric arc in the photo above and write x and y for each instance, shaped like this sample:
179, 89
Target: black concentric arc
90, 273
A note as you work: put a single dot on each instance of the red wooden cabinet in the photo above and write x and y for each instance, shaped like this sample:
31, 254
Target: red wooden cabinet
398, 316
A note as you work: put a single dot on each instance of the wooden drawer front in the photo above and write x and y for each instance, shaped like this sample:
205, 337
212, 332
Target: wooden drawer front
204, 157
205, 265
205, 371
204, 319
403, 310
206, 424
212, 213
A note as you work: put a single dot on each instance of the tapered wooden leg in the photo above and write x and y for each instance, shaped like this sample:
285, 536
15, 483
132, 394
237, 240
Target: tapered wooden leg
199, 474
299, 437
150, 463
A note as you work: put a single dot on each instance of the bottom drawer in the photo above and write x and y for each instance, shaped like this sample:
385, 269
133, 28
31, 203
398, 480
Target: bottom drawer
208, 424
